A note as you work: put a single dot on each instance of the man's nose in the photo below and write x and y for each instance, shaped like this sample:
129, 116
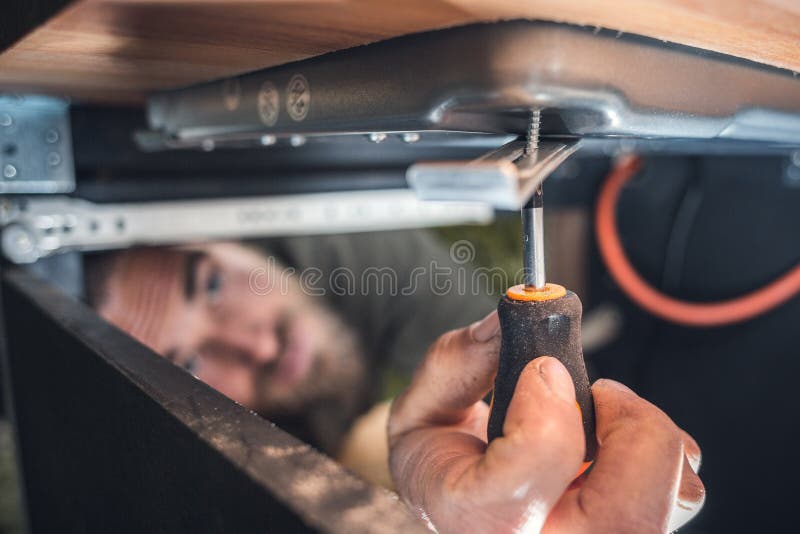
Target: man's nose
264, 345
256, 342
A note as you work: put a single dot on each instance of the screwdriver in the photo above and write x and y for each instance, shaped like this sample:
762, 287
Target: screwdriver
539, 319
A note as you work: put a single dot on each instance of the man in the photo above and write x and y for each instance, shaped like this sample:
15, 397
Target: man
260, 333
309, 334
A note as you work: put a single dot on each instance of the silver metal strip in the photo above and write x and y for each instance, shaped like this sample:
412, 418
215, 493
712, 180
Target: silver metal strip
51, 225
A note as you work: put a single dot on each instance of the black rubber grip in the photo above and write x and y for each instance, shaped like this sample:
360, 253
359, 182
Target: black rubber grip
533, 329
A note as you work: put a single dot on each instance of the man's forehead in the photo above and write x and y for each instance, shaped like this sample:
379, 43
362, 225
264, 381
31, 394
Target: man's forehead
144, 289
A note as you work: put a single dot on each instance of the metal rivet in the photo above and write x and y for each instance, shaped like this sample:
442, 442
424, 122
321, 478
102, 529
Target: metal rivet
377, 137
6, 119
9, 171
207, 145
297, 140
53, 159
410, 137
268, 140
51, 136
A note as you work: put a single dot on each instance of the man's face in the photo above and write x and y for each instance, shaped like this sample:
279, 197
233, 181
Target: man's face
273, 350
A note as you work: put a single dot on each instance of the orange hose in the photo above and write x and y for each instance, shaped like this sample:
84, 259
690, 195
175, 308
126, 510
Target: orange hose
686, 313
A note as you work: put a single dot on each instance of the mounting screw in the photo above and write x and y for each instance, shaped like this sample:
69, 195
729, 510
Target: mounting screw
532, 137
53, 159
377, 137
297, 140
9, 171
51, 136
6, 120
410, 137
207, 145
268, 140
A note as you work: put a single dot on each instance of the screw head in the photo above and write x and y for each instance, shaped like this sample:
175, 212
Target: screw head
207, 145
9, 171
51, 136
6, 120
377, 137
297, 140
268, 140
410, 137
53, 159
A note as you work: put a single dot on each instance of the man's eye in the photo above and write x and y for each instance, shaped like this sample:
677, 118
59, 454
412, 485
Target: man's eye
214, 285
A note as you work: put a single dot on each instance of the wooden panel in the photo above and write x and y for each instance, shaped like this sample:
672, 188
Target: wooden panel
115, 50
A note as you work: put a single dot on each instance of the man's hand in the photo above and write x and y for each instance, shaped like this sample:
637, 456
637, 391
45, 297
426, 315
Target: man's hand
643, 480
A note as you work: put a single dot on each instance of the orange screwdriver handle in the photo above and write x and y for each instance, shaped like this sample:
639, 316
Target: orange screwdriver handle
530, 329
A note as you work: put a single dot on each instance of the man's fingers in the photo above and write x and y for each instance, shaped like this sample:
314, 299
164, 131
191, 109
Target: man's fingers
542, 445
640, 449
457, 372
691, 497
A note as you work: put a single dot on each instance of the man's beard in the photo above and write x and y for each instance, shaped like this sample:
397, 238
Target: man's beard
321, 408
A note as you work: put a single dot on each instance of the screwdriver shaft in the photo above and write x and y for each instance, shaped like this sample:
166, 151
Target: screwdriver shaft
533, 241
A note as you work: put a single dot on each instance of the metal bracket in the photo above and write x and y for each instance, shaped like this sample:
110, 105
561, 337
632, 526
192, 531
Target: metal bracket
35, 145
38, 227
593, 84
505, 177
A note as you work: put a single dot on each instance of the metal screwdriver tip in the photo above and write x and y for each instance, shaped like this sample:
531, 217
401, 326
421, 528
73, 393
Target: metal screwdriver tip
533, 241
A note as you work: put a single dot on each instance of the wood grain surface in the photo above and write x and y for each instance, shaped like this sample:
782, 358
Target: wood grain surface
117, 50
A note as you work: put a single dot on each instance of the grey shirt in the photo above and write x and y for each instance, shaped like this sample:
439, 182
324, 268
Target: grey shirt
401, 289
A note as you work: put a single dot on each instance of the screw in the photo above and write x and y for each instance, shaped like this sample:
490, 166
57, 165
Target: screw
268, 140
297, 140
53, 159
9, 171
51, 136
207, 145
377, 137
532, 139
6, 120
410, 137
